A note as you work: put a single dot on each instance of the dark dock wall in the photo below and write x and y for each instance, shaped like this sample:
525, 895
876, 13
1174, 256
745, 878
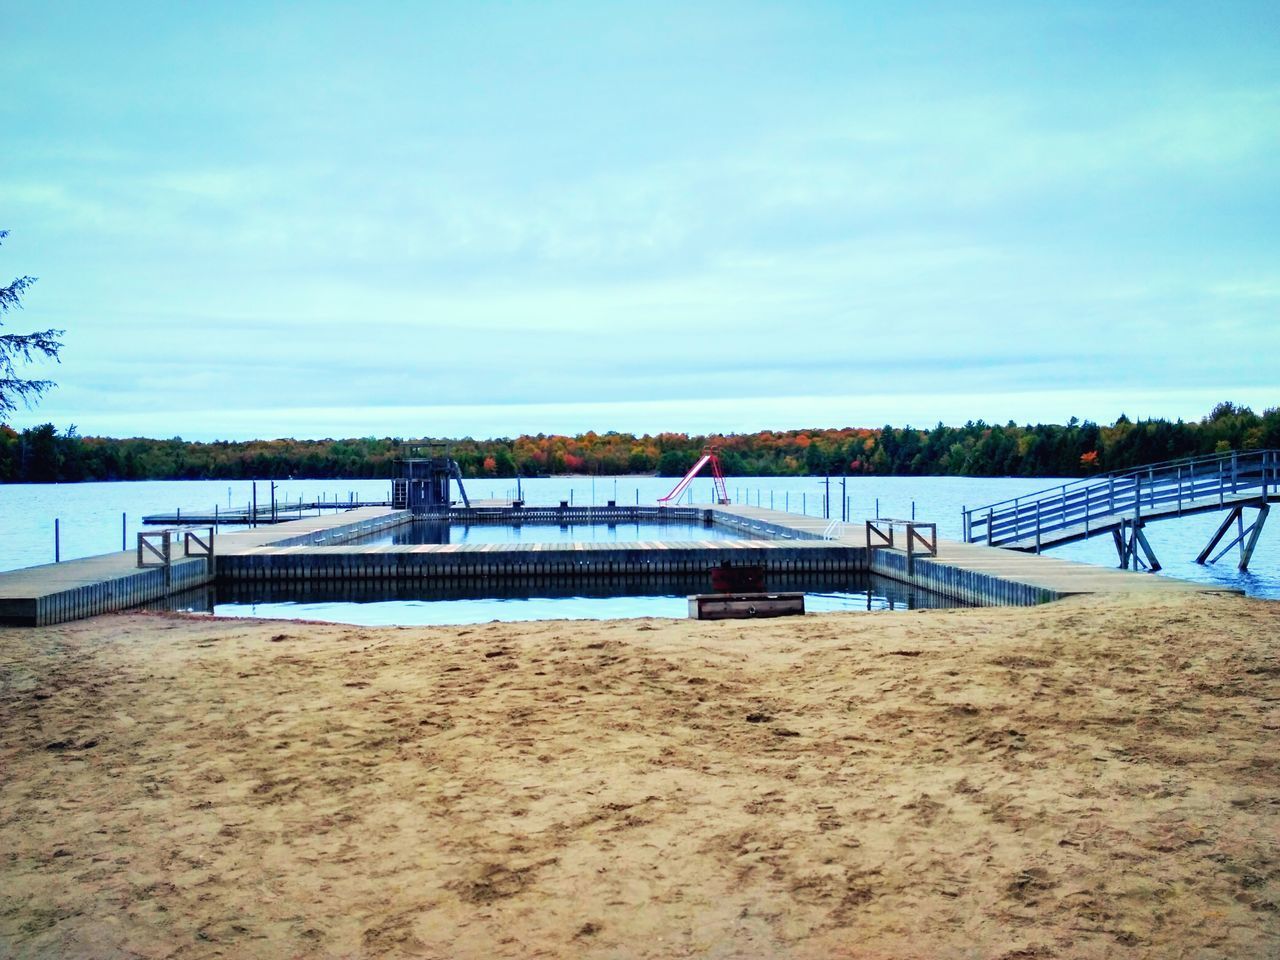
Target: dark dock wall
536, 560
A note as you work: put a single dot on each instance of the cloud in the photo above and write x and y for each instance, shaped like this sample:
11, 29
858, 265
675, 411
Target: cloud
522, 209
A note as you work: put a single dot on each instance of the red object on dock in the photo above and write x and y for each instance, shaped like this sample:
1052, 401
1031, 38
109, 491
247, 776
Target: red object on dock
717, 478
747, 578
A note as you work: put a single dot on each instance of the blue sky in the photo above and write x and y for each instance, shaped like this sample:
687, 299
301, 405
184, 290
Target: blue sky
310, 220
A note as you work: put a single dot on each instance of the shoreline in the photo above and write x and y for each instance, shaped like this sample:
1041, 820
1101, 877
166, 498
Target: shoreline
1071, 780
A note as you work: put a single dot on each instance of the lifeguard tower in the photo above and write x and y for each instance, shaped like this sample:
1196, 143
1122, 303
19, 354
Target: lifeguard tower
423, 472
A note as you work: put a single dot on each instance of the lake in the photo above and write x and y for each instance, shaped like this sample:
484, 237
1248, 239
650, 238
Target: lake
90, 513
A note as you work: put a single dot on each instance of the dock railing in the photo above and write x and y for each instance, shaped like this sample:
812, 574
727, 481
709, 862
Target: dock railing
919, 538
1090, 505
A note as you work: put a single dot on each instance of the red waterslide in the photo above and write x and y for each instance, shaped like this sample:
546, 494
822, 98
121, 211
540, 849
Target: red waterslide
717, 478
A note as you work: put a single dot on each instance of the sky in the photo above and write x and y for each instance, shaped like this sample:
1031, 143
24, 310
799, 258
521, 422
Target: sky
415, 219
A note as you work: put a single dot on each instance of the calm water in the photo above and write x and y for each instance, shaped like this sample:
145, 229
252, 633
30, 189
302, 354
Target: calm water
380, 604
420, 532
91, 512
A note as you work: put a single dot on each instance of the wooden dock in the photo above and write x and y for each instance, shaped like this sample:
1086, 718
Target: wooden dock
1121, 503
972, 572
317, 549
264, 515
57, 592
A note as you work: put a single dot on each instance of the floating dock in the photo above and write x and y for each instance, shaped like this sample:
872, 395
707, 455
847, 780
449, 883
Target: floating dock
317, 549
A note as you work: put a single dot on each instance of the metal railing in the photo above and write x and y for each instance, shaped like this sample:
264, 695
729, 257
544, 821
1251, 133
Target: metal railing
1091, 505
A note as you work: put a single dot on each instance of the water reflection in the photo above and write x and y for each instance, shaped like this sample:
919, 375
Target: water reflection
427, 532
477, 600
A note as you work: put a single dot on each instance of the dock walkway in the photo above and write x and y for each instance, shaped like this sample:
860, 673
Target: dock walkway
319, 548
56, 592
1052, 577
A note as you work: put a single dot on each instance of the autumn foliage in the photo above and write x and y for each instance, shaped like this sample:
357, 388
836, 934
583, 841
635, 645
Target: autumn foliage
42, 454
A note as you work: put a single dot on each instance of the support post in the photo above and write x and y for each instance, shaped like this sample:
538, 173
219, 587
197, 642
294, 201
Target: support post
1118, 536
1246, 554
1141, 540
1221, 532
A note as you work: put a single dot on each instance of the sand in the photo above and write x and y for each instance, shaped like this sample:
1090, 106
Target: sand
1083, 779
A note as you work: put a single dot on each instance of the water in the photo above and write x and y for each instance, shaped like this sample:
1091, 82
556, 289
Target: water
420, 532
91, 512
450, 603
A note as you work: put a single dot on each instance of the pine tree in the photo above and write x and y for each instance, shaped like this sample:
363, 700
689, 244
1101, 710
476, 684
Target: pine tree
16, 348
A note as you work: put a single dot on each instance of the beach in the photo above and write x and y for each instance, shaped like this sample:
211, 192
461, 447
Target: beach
1088, 778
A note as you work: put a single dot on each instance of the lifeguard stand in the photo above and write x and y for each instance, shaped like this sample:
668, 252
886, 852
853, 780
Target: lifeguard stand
423, 472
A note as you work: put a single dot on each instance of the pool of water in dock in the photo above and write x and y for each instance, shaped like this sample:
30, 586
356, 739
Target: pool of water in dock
424, 532
379, 603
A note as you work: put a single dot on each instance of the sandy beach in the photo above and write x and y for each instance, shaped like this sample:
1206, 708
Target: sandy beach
1082, 779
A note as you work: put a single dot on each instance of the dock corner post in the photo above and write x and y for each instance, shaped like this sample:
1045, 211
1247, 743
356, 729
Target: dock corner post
988, 528
168, 558
124, 531
57, 540
964, 522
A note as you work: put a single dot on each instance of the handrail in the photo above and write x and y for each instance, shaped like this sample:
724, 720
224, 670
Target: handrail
1144, 470
1171, 485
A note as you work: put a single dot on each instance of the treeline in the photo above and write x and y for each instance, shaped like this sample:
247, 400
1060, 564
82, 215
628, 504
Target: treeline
43, 455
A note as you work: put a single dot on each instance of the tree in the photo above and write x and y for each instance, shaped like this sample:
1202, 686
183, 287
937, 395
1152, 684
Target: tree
16, 348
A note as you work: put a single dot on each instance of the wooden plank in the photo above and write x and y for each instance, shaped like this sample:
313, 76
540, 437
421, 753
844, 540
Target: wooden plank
745, 606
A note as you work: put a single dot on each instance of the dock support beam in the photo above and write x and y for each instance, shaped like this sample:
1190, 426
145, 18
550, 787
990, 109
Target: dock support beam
1128, 539
1246, 537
